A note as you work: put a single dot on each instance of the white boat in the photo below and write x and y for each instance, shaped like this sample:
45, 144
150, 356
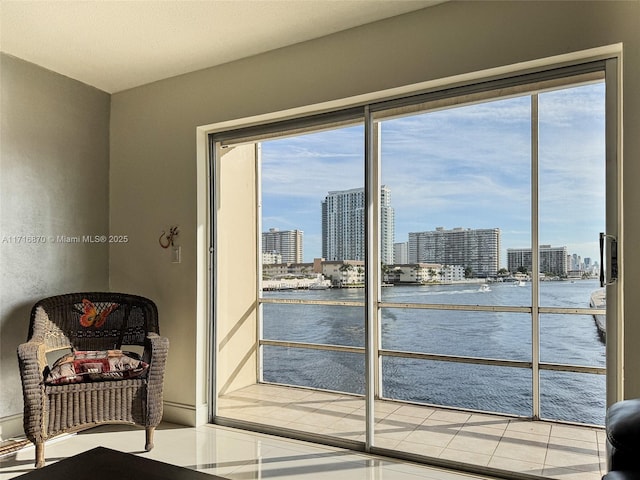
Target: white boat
319, 286
484, 288
520, 283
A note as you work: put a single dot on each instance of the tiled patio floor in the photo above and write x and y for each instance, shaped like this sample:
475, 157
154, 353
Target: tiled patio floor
545, 449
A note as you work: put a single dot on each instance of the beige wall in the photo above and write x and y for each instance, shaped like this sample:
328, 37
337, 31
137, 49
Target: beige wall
236, 293
54, 180
153, 132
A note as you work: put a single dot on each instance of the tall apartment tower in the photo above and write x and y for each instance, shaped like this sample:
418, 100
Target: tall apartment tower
288, 243
478, 249
553, 260
343, 235
401, 253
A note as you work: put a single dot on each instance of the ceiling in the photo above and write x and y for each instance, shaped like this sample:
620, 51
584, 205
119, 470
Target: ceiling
117, 45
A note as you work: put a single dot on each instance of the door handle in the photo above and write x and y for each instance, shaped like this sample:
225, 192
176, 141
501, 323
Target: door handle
611, 274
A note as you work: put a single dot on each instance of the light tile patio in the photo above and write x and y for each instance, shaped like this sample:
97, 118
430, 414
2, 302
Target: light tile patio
546, 449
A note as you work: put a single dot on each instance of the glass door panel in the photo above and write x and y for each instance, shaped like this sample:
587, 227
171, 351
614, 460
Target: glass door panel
460, 184
312, 295
459, 180
571, 214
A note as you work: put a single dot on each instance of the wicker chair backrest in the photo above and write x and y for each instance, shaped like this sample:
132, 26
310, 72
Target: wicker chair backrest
93, 321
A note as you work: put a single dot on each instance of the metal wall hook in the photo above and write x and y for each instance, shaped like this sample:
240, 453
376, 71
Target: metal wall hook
173, 232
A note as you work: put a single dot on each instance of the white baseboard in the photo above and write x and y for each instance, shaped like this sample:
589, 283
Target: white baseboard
184, 414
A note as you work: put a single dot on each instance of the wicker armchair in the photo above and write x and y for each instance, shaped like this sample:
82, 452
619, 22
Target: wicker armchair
94, 321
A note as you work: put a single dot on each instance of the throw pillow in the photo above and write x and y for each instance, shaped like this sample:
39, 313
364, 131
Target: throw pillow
86, 366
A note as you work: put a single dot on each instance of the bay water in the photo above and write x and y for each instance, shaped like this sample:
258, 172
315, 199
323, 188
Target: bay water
565, 339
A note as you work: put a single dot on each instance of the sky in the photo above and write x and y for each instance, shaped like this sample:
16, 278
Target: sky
468, 166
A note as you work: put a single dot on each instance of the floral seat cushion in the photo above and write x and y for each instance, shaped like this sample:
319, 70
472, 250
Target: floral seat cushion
88, 366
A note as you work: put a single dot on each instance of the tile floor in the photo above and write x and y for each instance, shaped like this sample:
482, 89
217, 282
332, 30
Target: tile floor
544, 449
233, 454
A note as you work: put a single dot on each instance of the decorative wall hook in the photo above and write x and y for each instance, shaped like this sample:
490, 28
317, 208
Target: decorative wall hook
168, 237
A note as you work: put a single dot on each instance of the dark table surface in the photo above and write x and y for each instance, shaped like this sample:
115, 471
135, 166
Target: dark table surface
105, 464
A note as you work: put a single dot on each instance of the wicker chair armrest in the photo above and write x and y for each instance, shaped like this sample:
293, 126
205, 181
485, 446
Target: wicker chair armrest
32, 361
156, 350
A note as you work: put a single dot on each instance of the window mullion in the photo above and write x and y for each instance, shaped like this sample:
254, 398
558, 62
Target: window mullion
372, 269
615, 338
259, 321
535, 261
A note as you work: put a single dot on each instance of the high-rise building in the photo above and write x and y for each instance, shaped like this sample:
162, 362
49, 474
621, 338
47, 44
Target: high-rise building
401, 253
343, 234
477, 249
287, 243
553, 260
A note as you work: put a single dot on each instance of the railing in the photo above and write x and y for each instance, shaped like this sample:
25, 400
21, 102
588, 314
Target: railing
558, 367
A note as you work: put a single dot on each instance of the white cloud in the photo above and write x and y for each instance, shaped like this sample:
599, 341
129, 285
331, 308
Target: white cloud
466, 166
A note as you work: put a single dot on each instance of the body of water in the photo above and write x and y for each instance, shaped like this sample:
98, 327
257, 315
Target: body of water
565, 339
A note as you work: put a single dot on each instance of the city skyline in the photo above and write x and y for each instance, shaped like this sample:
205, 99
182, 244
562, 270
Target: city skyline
465, 167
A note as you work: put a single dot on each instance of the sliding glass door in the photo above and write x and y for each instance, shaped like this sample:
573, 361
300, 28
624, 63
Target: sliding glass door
307, 310
461, 186
572, 202
312, 191
433, 251
471, 322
